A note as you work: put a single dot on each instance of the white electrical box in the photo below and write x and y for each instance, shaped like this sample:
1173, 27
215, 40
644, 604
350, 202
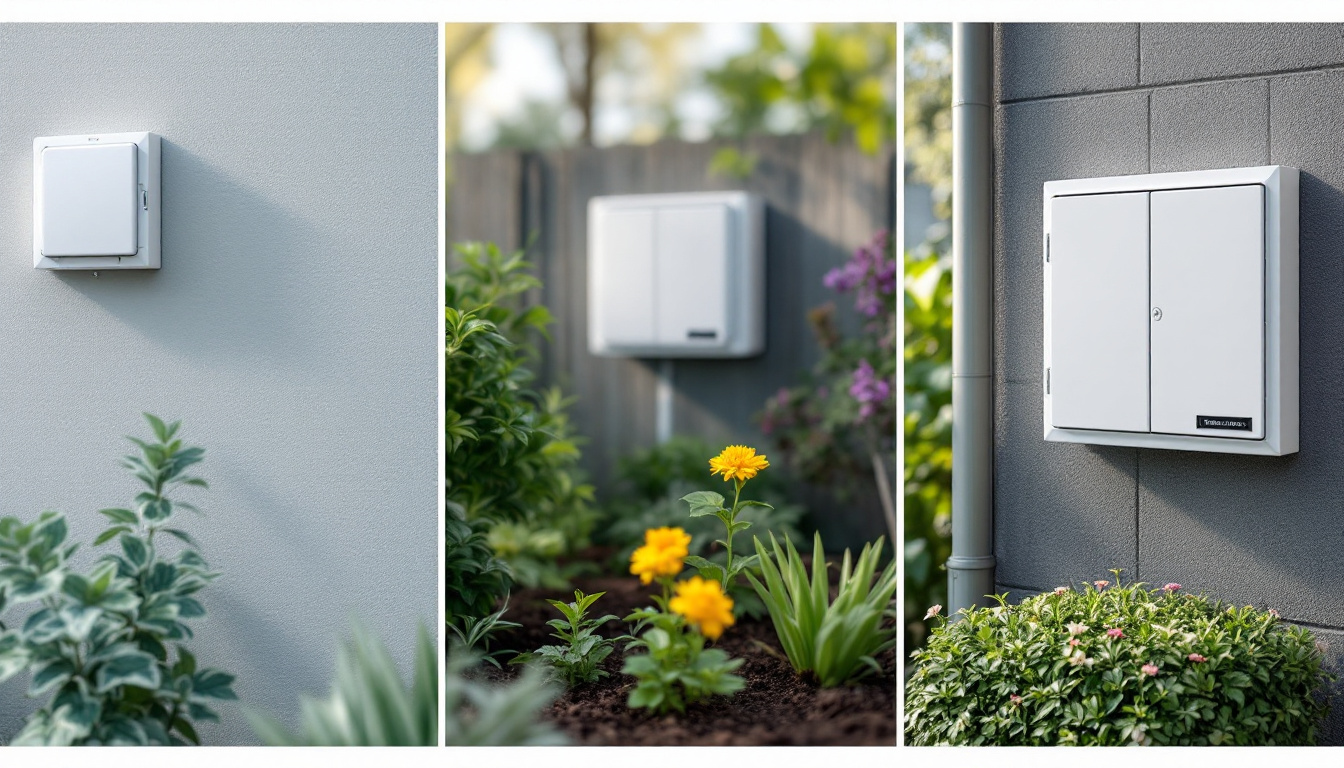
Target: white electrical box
1171, 305
677, 275
96, 201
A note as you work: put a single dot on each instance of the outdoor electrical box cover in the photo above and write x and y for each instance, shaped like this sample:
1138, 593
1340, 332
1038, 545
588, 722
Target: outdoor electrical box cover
96, 201
677, 275
1171, 305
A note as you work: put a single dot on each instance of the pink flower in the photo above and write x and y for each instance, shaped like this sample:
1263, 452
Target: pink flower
1115, 632
1101, 584
1195, 657
1149, 670
1171, 587
1073, 641
1061, 590
1273, 613
933, 611
1076, 628
1015, 699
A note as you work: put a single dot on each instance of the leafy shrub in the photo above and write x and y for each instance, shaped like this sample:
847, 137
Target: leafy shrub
476, 578
1115, 666
369, 705
677, 669
834, 641
484, 715
109, 647
928, 438
511, 453
579, 659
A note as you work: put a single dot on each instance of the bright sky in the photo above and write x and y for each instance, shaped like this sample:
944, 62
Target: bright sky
526, 67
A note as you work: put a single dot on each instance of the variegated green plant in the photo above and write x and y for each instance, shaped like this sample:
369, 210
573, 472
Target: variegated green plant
840, 640
106, 648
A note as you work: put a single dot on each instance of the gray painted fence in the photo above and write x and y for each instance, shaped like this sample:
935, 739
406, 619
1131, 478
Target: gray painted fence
1081, 100
823, 200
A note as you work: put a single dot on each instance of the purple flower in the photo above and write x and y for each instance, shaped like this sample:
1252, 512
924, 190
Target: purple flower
868, 389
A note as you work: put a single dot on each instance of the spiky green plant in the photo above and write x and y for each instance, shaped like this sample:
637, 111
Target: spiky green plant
369, 704
836, 641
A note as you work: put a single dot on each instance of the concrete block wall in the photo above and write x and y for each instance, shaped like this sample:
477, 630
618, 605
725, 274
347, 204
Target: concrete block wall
1084, 100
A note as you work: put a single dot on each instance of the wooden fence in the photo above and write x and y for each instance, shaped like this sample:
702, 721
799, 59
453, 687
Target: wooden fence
823, 200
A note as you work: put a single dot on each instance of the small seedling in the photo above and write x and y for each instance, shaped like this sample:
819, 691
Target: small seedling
580, 658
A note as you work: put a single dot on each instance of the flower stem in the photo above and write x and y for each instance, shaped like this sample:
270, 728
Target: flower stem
732, 517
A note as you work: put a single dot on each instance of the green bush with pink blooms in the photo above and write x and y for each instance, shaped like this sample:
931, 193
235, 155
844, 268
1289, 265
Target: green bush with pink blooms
1113, 664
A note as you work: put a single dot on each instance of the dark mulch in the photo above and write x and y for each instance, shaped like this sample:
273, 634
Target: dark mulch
775, 708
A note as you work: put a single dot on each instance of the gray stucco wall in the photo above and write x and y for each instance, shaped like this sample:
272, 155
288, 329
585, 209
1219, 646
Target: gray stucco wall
1078, 101
293, 326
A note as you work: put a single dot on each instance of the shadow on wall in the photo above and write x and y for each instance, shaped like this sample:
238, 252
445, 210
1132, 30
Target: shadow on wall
219, 313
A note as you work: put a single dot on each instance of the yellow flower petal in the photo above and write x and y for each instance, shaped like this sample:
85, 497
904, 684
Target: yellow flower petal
704, 605
737, 462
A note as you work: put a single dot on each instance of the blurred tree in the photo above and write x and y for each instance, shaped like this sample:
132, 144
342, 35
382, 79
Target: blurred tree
466, 63
845, 81
644, 64
927, 422
928, 110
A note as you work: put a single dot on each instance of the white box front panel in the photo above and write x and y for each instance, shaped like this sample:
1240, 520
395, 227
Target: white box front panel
1099, 312
1208, 263
90, 200
625, 288
692, 262
676, 275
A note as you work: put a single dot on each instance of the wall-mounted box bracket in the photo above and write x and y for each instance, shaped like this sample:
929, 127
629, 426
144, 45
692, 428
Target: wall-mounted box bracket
1171, 310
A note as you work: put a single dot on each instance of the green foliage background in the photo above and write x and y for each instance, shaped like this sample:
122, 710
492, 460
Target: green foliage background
927, 426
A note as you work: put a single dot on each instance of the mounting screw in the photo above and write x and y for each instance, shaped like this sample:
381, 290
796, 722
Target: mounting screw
95, 274
1157, 313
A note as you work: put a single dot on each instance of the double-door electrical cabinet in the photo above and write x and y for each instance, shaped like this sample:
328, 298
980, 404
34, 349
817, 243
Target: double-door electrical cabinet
1171, 310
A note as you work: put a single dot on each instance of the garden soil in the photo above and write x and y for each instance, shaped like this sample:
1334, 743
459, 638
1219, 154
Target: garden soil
776, 707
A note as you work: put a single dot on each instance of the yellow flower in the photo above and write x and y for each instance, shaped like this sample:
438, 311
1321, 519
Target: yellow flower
662, 553
738, 462
704, 605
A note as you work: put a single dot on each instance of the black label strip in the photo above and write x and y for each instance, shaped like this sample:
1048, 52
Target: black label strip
1237, 423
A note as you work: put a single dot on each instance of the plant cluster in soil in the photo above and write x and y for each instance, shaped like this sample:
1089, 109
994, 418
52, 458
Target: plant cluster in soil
776, 707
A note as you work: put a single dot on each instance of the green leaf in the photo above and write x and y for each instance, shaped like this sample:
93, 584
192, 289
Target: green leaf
110, 534
181, 535
128, 668
50, 675
749, 503
121, 516
136, 552
213, 684
703, 503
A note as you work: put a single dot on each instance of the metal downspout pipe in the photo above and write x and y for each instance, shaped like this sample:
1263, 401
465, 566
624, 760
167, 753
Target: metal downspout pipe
970, 569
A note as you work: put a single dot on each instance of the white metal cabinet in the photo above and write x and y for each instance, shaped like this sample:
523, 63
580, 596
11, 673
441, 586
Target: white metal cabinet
1098, 297
1215, 254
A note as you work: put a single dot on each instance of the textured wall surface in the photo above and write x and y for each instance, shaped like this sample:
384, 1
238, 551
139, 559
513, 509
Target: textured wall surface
1130, 98
293, 326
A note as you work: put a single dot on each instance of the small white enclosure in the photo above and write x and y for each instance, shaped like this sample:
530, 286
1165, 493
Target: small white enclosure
96, 201
677, 275
1171, 305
